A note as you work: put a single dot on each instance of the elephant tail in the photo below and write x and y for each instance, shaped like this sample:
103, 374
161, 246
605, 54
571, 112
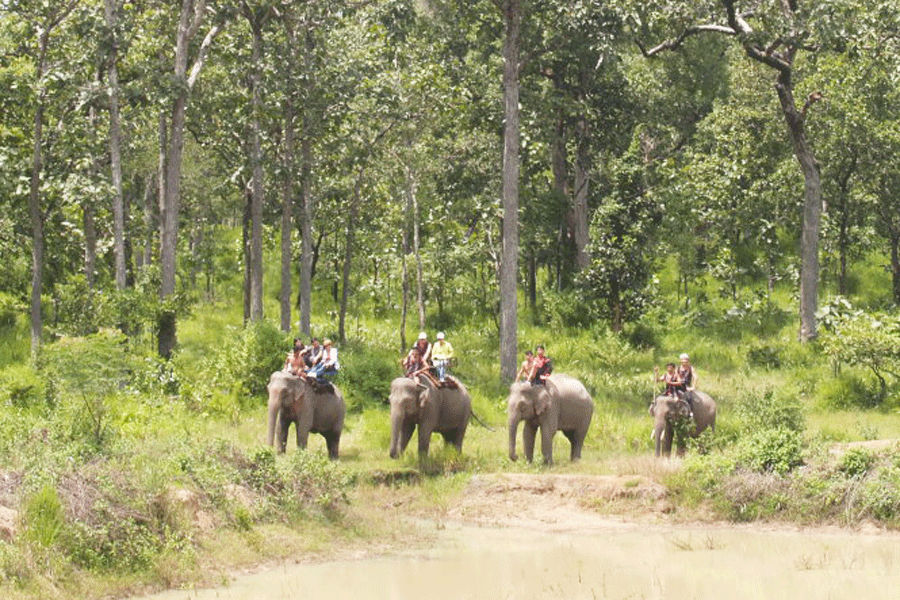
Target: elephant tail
479, 421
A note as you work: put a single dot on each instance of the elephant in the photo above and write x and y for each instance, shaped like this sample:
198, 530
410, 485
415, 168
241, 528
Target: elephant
561, 404
668, 411
432, 408
312, 409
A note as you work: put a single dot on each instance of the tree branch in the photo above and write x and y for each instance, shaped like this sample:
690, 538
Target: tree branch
201, 55
678, 41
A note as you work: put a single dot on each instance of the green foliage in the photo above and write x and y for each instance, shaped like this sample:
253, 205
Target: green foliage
365, 376
757, 411
43, 517
21, 386
848, 390
314, 481
775, 450
244, 359
856, 462
867, 340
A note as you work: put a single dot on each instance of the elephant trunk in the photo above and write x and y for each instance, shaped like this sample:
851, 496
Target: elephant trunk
396, 427
513, 426
659, 433
273, 420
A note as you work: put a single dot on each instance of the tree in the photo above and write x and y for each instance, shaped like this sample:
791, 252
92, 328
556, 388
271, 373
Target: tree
193, 14
774, 34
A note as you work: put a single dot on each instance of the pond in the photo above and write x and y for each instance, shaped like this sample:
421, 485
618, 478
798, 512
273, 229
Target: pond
611, 560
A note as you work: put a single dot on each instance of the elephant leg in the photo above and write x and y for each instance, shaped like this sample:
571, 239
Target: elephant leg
547, 434
302, 437
529, 432
406, 435
283, 426
453, 438
424, 440
576, 439
333, 442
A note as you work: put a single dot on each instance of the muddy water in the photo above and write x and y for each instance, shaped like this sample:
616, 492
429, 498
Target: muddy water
616, 561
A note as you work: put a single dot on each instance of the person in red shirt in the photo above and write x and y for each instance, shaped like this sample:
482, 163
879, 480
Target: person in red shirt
541, 367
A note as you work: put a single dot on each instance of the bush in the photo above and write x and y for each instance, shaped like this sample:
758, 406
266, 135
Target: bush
856, 462
247, 357
366, 375
43, 517
776, 450
21, 386
765, 410
848, 390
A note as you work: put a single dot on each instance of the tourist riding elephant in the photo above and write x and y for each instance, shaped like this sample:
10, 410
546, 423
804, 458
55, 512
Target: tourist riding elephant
670, 412
560, 404
312, 409
420, 403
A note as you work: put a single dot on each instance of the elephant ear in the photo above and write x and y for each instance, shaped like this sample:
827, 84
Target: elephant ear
542, 402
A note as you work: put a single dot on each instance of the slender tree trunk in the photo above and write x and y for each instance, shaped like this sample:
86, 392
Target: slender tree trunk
192, 13
348, 254
895, 264
412, 203
580, 209
512, 18
256, 199
245, 246
812, 209
307, 253
34, 205
559, 165
88, 215
110, 10
287, 216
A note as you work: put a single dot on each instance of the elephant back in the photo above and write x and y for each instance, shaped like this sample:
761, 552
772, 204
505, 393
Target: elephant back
563, 385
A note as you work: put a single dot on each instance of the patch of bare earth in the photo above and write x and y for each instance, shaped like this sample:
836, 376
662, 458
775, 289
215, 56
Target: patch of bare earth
559, 503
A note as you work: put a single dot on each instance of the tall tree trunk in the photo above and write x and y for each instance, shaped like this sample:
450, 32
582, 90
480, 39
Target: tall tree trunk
192, 13
110, 11
88, 215
348, 254
812, 208
245, 247
256, 200
559, 165
287, 214
37, 217
512, 18
580, 212
307, 253
895, 264
412, 203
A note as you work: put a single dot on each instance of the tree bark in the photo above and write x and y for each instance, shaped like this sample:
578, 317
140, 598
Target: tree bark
580, 211
287, 214
256, 198
110, 10
348, 254
512, 18
192, 13
812, 209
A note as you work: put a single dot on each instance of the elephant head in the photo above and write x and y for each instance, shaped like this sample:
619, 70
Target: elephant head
406, 398
285, 394
668, 412
525, 402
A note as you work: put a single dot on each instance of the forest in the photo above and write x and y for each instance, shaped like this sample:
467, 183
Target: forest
186, 185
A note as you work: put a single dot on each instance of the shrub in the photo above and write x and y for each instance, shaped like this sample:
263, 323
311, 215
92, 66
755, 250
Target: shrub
21, 386
776, 450
856, 462
758, 411
366, 375
43, 516
247, 357
846, 391
315, 482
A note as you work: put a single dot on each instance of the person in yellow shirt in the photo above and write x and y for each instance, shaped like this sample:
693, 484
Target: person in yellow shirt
441, 354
